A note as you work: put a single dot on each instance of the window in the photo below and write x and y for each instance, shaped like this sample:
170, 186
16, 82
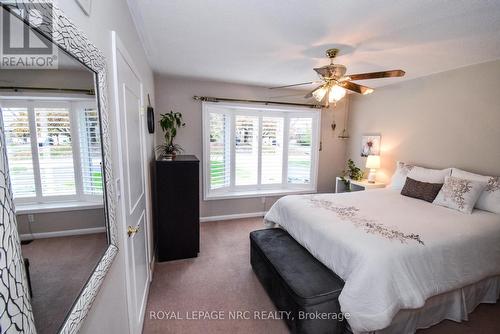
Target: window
259, 150
91, 155
54, 150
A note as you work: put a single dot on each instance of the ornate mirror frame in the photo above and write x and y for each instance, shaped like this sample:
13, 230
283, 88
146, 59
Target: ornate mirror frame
15, 306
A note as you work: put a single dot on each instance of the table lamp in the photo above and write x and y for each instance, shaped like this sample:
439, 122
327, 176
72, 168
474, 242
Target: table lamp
373, 163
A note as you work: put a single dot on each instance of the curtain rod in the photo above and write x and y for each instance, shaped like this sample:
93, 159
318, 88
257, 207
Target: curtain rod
46, 89
223, 99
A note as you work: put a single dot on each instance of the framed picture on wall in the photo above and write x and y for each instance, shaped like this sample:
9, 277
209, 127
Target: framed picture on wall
370, 145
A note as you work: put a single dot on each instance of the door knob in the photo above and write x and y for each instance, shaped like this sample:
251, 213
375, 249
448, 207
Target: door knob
132, 230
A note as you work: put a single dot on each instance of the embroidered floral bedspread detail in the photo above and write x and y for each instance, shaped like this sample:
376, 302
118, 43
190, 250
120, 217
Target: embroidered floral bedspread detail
351, 214
493, 184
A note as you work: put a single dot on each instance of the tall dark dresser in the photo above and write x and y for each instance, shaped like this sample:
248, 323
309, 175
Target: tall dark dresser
177, 208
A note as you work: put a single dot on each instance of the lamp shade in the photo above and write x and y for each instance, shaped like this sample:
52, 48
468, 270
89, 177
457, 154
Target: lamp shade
336, 93
319, 94
373, 161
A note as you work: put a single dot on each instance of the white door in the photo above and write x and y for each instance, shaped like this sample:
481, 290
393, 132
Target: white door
129, 106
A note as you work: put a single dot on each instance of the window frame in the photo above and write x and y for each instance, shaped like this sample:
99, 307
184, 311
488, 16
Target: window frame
260, 110
31, 103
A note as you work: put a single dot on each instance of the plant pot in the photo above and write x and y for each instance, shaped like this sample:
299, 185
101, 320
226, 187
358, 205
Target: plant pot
168, 156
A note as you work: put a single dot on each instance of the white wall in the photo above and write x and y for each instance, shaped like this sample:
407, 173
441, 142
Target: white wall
177, 94
57, 78
61, 221
109, 312
450, 119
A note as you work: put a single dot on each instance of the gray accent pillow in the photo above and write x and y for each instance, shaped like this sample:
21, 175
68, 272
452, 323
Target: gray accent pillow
459, 194
421, 190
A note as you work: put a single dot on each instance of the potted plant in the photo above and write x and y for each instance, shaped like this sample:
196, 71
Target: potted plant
169, 123
353, 173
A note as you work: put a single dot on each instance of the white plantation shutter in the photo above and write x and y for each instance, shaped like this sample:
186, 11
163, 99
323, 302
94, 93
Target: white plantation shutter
299, 150
55, 151
90, 152
259, 150
246, 149
272, 150
17, 137
219, 160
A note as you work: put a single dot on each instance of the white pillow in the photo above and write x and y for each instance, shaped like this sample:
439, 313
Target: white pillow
399, 177
459, 194
429, 175
489, 200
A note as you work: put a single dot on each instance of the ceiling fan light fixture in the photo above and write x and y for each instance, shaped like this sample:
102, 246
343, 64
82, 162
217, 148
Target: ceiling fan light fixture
319, 94
336, 94
335, 83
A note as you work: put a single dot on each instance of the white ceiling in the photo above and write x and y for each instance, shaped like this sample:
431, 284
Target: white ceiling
275, 42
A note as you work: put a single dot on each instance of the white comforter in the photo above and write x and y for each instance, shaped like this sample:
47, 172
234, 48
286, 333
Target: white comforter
392, 251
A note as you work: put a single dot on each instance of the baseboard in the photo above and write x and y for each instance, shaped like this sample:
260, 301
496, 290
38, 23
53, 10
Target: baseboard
233, 216
66, 233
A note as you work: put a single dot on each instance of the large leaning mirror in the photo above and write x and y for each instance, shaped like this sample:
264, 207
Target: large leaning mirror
54, 140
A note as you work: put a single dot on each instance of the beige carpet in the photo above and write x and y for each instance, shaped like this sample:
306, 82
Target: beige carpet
59, 268
221, 279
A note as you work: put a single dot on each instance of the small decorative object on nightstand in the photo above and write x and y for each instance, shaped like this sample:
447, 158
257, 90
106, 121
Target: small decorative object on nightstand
373, 163
340, 186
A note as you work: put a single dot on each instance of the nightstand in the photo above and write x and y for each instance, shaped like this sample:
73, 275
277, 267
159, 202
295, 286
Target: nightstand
356, 185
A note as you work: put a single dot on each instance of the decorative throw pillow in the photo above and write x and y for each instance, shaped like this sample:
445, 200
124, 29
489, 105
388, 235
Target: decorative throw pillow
399, 178
490, 197
421, 190
429, 175
459, 194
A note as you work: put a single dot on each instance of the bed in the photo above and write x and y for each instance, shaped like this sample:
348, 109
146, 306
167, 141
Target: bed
406, 263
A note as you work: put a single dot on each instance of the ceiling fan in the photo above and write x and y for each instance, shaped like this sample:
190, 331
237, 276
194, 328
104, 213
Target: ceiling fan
334, 82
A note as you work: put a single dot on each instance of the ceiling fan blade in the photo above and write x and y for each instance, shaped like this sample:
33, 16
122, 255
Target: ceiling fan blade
298, 84
377, 75
357, 88
310, 94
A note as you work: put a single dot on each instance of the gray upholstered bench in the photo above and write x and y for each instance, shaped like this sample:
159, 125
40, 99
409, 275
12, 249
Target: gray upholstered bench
297, 283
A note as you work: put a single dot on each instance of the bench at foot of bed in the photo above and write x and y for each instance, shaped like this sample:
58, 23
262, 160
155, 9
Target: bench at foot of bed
297, 283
